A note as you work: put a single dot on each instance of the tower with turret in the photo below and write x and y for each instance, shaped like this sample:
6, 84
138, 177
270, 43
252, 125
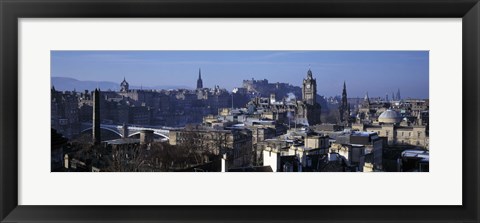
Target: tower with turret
310, 108
124, 86
309, 89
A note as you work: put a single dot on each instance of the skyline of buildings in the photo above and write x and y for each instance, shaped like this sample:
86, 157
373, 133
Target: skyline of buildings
406, 70
257, 125
394, 94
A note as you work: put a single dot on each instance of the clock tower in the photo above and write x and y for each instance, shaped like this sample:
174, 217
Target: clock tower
309, 90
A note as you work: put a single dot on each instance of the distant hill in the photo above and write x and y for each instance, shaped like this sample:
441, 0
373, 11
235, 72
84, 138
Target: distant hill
70, 84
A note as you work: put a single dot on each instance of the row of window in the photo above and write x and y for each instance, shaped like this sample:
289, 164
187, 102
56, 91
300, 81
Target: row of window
387, 133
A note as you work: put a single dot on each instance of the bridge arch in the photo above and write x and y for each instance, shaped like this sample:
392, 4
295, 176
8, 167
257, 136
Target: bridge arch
156, 133
111, 130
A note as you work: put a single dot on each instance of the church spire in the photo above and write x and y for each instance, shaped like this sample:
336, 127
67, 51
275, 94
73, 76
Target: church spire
345, 106
199, 80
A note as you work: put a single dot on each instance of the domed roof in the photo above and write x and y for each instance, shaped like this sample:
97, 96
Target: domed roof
389, 116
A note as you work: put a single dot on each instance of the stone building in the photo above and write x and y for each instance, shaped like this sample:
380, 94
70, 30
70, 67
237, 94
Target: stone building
152, 107
65, 113
262, 88
310, 109
235, 143
289, 110
389, 126
363, 150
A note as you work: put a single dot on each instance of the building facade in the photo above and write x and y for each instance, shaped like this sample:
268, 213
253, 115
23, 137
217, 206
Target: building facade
235, 143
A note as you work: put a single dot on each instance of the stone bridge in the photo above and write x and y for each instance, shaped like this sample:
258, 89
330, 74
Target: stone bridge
132, 130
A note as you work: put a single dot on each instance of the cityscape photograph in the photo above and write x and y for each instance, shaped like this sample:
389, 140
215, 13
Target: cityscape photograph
239, 111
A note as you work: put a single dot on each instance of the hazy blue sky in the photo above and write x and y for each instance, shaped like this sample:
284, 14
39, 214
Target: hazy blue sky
377, 72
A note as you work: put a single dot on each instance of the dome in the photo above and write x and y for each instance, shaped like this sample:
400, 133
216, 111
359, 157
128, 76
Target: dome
389, 116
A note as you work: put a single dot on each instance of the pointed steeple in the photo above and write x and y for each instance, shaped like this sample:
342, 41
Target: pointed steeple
199, 80
344, 95
345, 106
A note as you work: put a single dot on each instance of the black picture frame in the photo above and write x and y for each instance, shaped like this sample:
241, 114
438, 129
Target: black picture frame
12, 10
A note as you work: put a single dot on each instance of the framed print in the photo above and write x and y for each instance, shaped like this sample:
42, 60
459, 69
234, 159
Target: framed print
201, 111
